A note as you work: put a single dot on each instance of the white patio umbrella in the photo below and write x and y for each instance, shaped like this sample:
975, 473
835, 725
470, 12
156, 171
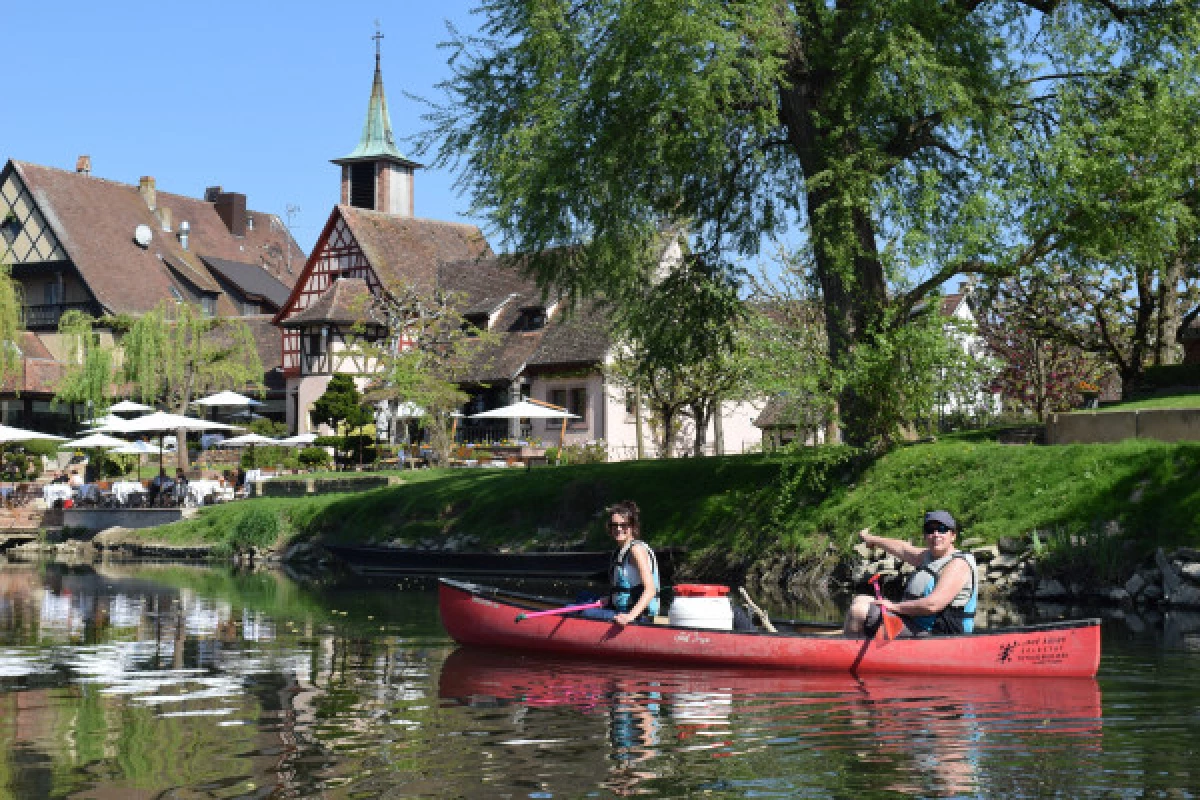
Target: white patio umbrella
129, 407
139, 449
11, 434
226, 399
107, 421
94, 441
162, 422
249, 440
299, 440
531, 409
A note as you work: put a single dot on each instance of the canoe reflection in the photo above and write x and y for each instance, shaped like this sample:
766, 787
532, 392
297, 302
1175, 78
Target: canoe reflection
931, 732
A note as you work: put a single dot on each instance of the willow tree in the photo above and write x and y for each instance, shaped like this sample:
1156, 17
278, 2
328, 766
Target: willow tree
89, 374
174, 353
882, 130
10, 322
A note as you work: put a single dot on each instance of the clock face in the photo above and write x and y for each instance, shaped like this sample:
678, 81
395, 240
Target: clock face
142, 235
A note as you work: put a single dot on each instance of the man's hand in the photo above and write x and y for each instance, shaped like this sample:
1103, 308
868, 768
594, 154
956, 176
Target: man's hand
623, 619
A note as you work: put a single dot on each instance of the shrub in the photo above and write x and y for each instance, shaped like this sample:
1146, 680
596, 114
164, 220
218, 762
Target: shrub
257, 527
314, 457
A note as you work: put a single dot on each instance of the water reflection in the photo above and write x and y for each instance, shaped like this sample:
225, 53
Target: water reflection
917, 735
169, 681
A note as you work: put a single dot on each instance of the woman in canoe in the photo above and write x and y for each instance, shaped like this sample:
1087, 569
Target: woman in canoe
633, 571
941, 594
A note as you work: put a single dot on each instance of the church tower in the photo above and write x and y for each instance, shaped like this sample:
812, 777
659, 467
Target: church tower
376, 175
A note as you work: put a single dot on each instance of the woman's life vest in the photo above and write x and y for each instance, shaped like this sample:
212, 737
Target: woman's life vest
626, 580
959, 616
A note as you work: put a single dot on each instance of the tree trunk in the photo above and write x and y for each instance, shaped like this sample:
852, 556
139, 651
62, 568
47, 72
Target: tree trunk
1166, 346
637, 421
700, 414
718, 429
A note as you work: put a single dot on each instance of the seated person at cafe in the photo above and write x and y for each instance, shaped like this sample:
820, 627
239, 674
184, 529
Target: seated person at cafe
160, 486
75, 480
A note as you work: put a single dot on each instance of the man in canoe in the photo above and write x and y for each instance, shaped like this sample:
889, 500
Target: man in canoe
940, 596
633, 572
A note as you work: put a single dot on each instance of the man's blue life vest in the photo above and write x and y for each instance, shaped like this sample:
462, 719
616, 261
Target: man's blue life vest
959, 616
626, 581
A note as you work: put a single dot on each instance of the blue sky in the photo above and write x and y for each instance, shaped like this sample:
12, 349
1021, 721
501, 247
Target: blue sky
255, 97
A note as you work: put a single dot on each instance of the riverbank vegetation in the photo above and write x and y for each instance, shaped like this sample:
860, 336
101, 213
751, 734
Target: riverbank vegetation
1116, 502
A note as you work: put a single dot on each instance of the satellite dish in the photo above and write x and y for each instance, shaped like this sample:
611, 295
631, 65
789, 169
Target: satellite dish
142, 235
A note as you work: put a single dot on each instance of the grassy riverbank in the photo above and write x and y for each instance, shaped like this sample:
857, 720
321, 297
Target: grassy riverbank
749, 505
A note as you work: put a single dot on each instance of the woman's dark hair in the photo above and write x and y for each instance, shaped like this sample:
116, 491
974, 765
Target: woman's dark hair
629, 510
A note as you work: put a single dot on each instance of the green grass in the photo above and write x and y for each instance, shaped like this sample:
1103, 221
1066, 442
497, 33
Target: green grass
755, 504
1181, 400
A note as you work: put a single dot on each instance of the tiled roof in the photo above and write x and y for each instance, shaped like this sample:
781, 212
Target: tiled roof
578, 336
347, 301
94, 219
950, 304
253, 281
496, 285
408, 250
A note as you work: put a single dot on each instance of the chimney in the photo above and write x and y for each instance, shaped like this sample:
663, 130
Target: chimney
231, 207
146, 188
83, 165
211, 194
164, 216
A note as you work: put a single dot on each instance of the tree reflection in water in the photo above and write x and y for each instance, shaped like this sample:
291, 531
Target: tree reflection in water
139, 681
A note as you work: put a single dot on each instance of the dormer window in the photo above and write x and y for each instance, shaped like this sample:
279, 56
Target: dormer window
473, 324
532, 318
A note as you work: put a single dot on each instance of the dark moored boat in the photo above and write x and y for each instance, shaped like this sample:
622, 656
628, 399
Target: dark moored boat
485, 616
558, 564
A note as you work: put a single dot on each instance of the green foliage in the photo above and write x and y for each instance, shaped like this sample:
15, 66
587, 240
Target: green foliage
680, 346
258, 527
314, 457
270, 428
341, 404
174, 353
89, 375
11, 301
894, 136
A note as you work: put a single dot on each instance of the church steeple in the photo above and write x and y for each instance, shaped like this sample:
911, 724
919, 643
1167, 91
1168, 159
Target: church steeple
376, 175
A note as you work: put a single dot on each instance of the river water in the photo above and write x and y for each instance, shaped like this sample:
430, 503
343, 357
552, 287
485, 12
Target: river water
186, 682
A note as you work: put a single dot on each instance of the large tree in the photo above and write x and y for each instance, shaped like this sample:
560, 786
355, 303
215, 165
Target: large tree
881, 128
174, 353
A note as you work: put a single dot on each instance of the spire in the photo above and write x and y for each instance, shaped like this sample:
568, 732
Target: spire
377, 140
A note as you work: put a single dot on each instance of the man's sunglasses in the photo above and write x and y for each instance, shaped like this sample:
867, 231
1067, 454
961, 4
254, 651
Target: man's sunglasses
937, 527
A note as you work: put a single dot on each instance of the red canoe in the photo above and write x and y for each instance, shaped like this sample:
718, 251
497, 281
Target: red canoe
486, 616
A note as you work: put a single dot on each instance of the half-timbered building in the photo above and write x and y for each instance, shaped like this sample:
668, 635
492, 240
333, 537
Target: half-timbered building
76, 241
372, 247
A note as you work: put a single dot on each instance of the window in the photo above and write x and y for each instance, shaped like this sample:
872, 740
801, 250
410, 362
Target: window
573, 400
315, 342
208, 305
249, 309
577, 402
176, 294
531, 319
630, 403
53, 294
473, 324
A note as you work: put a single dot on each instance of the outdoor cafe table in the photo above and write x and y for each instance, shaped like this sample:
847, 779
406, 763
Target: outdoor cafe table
56, 491
199, 490
122, 489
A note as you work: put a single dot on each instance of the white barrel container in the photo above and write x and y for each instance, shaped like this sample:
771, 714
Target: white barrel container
701, 606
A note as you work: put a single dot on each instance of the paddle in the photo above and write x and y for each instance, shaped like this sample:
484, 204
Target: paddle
893, 626
563, 610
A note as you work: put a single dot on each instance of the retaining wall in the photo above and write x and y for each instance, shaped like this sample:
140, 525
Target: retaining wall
99, 519
1089, 427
